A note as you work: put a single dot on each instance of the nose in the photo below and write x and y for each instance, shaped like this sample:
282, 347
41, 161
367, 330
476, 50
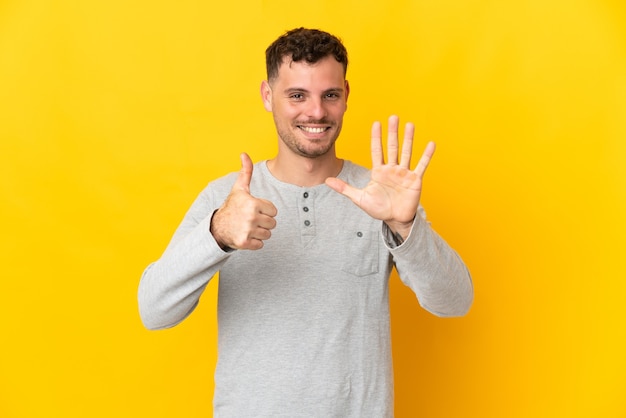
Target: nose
315, 109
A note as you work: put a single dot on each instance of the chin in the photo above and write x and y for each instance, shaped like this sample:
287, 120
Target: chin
314, 153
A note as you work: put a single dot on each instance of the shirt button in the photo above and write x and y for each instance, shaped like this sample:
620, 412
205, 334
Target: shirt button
306, 194
305, 209
359, 234
307, 223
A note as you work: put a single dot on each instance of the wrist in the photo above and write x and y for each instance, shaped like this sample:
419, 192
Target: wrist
214, 231
400, 230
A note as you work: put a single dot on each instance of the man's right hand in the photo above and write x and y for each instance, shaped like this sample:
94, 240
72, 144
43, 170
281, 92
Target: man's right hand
243, 222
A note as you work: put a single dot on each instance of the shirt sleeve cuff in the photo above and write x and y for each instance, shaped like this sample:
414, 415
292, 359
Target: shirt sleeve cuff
393, 241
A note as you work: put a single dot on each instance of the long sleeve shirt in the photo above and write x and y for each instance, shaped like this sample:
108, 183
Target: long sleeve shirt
303, 323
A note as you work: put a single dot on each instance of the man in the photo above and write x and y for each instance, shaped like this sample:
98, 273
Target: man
305, 243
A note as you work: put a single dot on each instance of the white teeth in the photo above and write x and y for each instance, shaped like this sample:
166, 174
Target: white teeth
312, 130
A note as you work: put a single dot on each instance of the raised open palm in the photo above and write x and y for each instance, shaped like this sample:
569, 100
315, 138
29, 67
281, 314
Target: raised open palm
394, 191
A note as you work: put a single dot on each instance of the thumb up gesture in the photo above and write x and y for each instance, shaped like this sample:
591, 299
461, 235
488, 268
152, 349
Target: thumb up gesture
243, 222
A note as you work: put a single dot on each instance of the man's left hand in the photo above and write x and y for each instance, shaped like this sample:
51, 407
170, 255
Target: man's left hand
394, 191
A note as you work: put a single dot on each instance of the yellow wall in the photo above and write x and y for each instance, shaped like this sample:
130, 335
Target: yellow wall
114, 114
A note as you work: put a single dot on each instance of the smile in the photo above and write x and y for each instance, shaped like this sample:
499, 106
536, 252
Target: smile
313, 130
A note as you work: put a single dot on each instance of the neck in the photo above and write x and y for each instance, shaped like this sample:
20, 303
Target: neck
303, 171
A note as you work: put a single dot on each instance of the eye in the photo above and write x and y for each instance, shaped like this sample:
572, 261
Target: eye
331, 96
296, 96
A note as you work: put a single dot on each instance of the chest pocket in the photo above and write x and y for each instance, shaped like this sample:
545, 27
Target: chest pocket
361, 252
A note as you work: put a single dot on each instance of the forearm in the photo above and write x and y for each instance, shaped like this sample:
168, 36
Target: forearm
434, 271
171, 287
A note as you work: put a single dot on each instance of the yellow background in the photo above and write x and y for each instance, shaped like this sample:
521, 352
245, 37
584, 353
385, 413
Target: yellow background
115, 114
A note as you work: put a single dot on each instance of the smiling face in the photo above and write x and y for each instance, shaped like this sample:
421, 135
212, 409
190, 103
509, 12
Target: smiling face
308, 101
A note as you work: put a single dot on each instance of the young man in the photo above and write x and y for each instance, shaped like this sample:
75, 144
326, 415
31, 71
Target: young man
305, 243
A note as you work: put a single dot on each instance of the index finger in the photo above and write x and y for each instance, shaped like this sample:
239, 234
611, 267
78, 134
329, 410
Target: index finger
267, 208
377, 145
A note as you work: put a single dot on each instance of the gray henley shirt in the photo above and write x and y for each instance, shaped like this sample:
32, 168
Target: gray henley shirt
303, 323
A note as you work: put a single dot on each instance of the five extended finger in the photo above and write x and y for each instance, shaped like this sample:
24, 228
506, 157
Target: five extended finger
378, 158
392, 140
422, 165
345, 189
407, 146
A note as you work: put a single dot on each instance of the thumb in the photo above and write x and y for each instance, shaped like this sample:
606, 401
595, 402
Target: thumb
245, 174
345, 189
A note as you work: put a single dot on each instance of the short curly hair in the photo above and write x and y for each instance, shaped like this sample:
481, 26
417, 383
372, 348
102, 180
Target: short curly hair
310, 45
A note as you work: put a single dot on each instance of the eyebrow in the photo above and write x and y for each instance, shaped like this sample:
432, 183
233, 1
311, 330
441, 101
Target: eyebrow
302, 90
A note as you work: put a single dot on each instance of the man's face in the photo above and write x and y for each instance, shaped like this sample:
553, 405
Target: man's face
308, 102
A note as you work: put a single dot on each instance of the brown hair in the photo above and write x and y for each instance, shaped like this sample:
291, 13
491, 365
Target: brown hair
310, 45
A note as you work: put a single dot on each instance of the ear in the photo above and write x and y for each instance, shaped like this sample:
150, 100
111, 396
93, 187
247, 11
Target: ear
347, 88
266, 95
